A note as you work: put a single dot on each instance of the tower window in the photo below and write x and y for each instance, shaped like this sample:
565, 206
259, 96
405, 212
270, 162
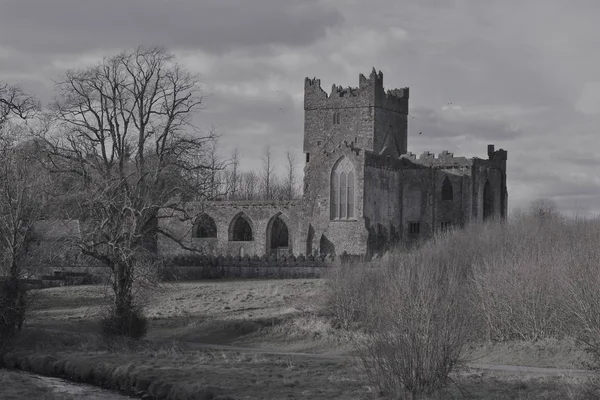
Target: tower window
307, 157
336, 118
414, 228
342, 190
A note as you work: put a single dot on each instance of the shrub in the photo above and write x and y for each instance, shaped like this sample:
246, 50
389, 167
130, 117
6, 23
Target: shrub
349, 288
417, 327
130, 323
13, 306
581, 283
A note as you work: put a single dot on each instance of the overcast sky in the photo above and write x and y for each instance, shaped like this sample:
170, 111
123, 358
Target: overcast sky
521, 74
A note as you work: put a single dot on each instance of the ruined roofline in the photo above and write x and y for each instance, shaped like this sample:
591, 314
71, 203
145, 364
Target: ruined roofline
249, 203
446, 159
409, 160
312, 86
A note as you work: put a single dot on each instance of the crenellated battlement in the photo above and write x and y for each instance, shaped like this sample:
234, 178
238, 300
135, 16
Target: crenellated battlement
409, 160
369, 93
445, 159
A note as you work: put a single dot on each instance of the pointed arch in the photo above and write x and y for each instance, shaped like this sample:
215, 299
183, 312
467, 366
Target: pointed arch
335, 195
343, 195
447, 190
278, 234
351, 194
326, 246
240, 229
342, 190
488, 200
204, 227
309, 240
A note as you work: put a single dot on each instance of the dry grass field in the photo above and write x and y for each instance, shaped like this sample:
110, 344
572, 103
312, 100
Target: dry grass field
17, 386
277, 315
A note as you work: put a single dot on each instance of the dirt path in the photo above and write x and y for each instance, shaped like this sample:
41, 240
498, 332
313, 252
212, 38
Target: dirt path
514, 369
490, 367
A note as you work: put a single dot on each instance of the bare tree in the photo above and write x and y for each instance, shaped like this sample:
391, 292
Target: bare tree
233, 176
543, 208
18, 208
125, 132
22, 203
249, 182
215, 178
267, 173
290, 182
14, 102
207, 182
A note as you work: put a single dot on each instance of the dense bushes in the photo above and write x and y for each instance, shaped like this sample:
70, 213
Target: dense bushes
533, 277
129, 322
416, 326
13, 305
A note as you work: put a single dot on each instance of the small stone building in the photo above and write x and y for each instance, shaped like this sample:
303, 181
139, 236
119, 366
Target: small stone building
363, 191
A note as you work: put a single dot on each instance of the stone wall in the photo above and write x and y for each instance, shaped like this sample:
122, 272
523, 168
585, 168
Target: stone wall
259, 214
370, 117
347, 235
397, 195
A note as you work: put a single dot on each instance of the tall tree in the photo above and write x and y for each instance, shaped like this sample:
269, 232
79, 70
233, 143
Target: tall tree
21, 203
233, 176
249, 182
267, 173
290, 182
124, 129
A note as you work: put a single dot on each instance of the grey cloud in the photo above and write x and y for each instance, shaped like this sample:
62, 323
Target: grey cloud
255, 121
68, 26
435, 125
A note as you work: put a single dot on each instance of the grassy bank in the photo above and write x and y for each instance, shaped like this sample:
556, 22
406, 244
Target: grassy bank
176, 371
520, 300
18, 386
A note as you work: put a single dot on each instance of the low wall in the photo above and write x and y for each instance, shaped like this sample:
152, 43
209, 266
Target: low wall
211, 267
193, 273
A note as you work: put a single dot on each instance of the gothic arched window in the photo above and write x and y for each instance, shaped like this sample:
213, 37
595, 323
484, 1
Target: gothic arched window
240, 229
447, 191
204, 227
342, 190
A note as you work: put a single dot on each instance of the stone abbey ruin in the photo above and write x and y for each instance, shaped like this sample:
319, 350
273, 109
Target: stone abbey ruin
363, 192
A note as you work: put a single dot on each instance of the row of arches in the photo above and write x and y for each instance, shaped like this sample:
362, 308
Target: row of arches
488, 196
241, 230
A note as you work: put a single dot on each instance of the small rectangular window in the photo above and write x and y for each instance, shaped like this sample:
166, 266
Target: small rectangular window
414, 228
318, 142
307, 157
445, 225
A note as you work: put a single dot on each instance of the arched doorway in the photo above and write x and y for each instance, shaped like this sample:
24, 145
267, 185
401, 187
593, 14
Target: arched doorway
326, 246
278, 237
488, 201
